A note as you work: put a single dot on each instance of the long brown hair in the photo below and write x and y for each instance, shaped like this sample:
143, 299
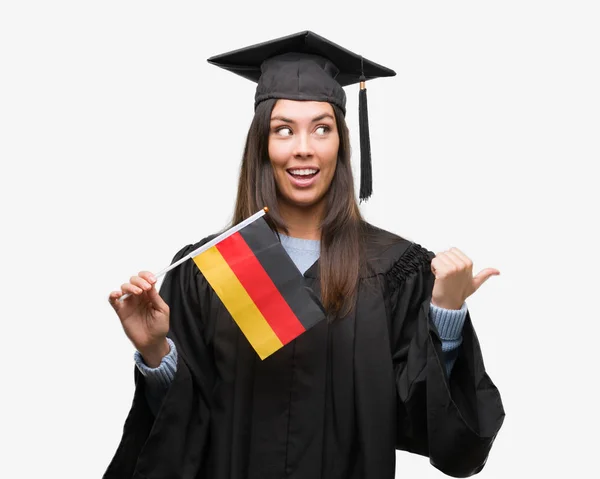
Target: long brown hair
341, 256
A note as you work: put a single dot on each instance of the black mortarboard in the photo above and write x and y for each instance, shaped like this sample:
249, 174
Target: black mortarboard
306, 66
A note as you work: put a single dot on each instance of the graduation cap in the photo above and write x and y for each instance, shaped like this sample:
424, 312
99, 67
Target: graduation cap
306, 66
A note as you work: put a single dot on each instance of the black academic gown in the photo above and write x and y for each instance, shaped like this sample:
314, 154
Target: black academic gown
334, 403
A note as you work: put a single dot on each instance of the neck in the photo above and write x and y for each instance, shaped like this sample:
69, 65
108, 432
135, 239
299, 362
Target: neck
301, 222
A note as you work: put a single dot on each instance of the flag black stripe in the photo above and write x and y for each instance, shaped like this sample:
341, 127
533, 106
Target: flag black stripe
287, 277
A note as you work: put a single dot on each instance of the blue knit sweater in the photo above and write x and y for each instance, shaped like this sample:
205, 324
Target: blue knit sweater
304, 253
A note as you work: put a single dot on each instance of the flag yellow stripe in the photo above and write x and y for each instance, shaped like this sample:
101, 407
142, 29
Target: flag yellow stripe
237, 301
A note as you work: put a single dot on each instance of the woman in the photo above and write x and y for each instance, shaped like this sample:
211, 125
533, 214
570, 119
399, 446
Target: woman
396, 365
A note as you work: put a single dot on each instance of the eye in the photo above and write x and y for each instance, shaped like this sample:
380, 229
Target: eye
322, 130
284, 131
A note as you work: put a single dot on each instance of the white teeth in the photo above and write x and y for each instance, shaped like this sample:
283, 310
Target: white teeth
304, 172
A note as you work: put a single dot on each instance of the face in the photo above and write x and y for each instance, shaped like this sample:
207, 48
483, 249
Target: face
303, 148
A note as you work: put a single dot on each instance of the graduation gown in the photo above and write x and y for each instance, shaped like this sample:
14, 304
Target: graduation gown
334, 403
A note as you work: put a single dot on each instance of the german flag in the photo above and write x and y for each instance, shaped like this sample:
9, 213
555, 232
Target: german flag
261, 287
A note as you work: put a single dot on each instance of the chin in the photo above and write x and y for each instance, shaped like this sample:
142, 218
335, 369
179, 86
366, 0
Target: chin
303, 200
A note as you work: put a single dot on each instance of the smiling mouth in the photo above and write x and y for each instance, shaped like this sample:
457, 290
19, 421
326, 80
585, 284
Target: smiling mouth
303, 173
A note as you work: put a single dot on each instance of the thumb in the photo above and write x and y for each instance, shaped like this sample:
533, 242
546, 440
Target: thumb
483, 276
157, 302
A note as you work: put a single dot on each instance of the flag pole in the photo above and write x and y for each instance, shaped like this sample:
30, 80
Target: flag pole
206, 246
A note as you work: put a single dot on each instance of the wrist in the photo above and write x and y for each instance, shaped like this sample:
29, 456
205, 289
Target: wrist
154, 354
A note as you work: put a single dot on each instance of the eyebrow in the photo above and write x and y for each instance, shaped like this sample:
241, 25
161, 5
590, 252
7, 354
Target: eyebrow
315, 119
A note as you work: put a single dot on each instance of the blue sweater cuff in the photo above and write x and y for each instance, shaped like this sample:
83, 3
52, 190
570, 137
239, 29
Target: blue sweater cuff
163, 375
449, 322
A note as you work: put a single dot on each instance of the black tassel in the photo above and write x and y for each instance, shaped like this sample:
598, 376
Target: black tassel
366, 175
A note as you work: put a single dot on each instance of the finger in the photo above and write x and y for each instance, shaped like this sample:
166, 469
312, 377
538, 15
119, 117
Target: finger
457, 260
148, 276
140, 282
463, 256
157, 300
439, 268
454, 249
483, 276
443, 264
114, 296
131, 289
124, 297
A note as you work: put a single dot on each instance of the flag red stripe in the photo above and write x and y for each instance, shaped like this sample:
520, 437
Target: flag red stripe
260, 287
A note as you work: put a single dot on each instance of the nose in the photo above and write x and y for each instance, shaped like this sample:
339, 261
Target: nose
303, 146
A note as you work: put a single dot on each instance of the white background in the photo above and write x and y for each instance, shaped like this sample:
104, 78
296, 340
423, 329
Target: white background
120, 144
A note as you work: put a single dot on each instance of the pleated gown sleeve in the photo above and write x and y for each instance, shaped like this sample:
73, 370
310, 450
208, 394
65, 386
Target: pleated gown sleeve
455, 420
173, 443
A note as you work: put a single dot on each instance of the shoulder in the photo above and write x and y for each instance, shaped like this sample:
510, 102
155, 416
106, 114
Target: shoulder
190, 247
187, 249
391, 254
